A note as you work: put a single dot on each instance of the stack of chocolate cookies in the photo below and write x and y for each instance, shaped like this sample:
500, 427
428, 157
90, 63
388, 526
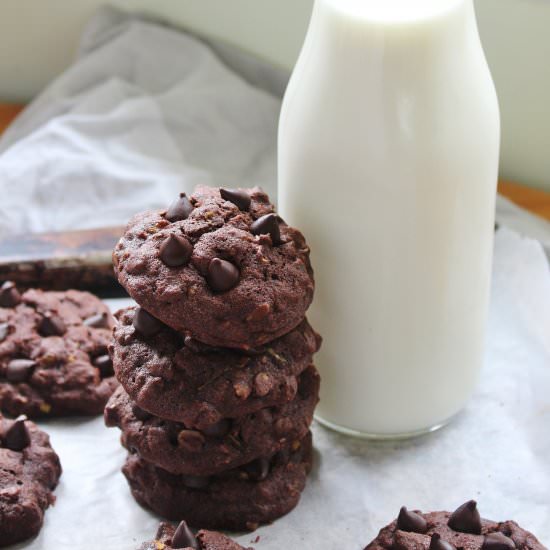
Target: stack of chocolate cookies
217, 382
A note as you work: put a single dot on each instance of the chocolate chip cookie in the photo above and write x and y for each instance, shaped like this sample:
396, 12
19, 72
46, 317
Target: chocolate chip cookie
231, 443
53, 353
461, 529
182, 380
169, 537
29, 472
220, 266
239, 499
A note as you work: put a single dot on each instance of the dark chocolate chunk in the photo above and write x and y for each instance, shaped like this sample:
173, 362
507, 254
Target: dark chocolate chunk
19, 370
498, 541
238, 197
4, 331
268, 225
219, 429
105, 365
17, 436
101, 320
191, 441
52, 325
175, 251
145, 323
184, 538
466, 519
9, 295
411, 521
195, 482
180, 209
110, 415
437, 543
222, 275
259, 469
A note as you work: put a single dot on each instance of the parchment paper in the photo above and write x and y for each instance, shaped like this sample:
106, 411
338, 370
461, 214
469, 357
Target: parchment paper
497, 451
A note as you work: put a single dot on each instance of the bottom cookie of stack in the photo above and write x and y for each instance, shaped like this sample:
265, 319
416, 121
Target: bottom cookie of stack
238, 499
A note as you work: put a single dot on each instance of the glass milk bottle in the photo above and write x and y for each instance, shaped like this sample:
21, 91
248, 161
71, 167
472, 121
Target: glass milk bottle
388, 159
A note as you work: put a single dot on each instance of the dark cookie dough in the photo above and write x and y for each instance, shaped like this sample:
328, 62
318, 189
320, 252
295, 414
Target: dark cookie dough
172, 447
169, 537
53, 355
462, 529
238, 289
239, 499
184, 381
29, 472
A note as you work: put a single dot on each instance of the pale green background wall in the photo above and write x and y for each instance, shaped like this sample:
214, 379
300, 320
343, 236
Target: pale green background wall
38, 39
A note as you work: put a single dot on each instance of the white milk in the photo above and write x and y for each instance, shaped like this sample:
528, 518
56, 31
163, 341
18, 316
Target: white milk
388, 156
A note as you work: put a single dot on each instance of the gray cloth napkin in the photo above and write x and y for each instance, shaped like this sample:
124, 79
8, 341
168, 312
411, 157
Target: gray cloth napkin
144, 113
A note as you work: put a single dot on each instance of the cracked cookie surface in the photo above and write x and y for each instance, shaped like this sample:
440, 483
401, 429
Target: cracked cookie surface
169, 537
53, 354
462, 529
29, 472
232, 443
231, 275
239, 499
177, 379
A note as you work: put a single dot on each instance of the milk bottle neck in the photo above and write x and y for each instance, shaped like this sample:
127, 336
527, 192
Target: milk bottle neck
416, 30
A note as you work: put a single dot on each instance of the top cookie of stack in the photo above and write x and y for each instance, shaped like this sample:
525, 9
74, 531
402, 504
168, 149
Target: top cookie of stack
219, 266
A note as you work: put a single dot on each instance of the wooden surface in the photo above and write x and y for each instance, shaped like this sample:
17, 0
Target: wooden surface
8, 111
534, 200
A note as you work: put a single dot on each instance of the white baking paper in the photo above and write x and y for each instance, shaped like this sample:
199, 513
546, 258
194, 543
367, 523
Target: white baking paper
497, 451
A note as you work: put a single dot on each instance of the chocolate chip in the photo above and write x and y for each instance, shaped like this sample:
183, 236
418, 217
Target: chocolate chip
145, 323
100, 320
498, 541
17, 436
411, 522
175, 251
219, 429
258, 470
9, 295
437, 544
466, 519
140, 414
19, 370
51, 325
111, 416
180, 209
222, 275
268, 225
4, 331
191, 441
105, 365
195, 482
238, 197
184, 538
